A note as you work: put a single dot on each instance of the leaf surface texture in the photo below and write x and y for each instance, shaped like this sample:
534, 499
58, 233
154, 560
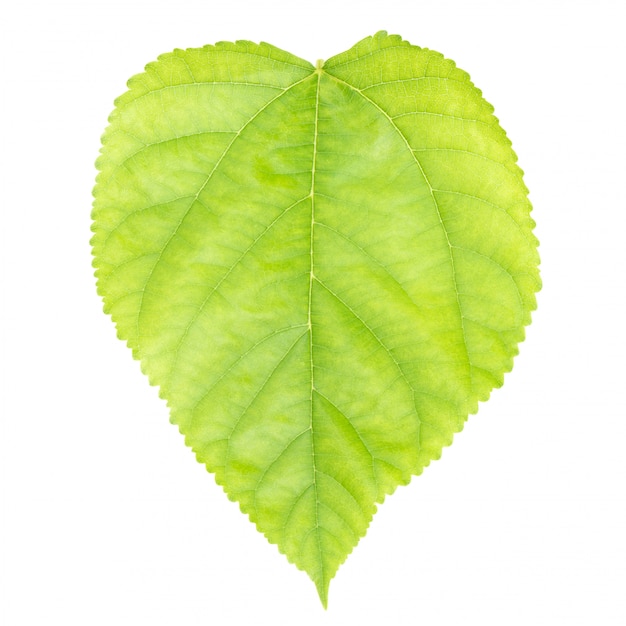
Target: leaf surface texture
323, 268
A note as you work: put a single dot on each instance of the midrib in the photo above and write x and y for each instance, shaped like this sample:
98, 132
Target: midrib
318, 71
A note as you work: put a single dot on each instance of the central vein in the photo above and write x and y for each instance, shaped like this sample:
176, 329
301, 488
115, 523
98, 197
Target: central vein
318, 71
312, 272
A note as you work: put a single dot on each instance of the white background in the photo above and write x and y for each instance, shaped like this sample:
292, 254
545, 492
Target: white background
106, 516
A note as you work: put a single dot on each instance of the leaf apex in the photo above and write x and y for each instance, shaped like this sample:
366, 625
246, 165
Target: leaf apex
322, 587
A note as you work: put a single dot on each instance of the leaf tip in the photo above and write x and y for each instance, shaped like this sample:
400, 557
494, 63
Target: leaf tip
322, 586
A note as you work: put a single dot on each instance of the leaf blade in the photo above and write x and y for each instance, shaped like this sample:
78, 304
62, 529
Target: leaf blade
307, 276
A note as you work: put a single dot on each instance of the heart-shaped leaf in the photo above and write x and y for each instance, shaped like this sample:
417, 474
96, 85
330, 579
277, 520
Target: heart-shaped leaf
323, 268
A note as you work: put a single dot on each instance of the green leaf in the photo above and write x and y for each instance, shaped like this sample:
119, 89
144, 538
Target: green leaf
323, 268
